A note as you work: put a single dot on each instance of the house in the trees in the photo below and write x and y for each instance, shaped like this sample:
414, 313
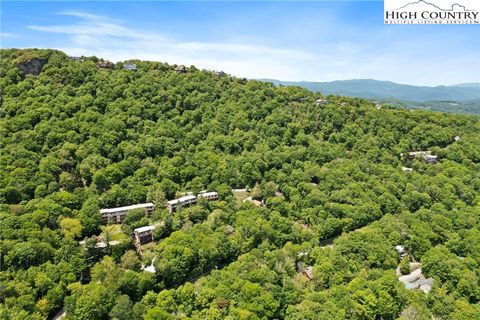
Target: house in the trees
143, 234
117, 215
418, 154
181, 69
417, 281
321, 102
105, 65
406, 169
74, 58
130, 66
219, 73
427, 156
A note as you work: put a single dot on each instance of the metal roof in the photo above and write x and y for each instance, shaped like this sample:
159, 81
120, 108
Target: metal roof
143, 229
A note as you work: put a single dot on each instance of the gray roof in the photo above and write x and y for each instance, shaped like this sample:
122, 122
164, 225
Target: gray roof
182, 199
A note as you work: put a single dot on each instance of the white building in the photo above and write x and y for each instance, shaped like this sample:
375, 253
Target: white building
116, 215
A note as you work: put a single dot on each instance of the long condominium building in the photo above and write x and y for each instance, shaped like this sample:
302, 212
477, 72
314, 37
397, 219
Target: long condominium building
188, 200
116, 215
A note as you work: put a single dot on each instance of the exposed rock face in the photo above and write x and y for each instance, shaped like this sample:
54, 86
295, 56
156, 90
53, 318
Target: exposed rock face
32, 66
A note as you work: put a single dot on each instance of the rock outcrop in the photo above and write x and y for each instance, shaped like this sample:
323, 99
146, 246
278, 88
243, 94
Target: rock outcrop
32, 66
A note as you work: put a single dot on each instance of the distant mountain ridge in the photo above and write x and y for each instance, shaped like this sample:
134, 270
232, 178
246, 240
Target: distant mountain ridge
375, 89
434, 5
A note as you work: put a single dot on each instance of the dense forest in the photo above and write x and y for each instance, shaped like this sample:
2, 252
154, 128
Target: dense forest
316, 195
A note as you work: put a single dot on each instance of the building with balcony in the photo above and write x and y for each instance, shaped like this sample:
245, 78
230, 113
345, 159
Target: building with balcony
144, 234
117, 215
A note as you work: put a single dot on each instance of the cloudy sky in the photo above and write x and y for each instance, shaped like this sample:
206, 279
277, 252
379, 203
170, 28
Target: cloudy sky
314, 41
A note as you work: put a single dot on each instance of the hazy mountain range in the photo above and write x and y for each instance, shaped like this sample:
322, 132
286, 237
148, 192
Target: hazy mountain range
459, 98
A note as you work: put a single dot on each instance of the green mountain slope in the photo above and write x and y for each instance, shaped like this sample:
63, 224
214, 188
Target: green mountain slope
332, 199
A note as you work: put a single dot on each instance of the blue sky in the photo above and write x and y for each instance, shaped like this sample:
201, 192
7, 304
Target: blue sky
314, 41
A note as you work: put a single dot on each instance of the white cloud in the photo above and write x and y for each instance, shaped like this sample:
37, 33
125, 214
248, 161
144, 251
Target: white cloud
7, 35
386, 54
112, 39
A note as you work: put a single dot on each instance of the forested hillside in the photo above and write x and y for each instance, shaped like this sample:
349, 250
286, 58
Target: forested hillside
314, 236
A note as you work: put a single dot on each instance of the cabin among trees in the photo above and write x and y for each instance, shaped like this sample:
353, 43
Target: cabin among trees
76, 58
427, 156
104, 64
130, 66
180, 69
321, 102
